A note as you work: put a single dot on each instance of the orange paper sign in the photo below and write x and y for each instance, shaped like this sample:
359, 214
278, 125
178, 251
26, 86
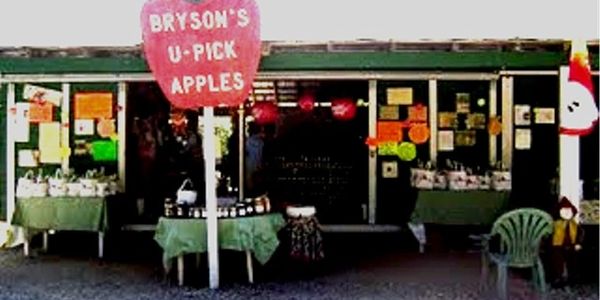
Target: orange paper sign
40, 113
389, 131
417, 113
94, 106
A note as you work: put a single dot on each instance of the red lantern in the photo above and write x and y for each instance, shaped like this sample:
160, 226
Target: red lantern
265, 112
307, 102
343, 109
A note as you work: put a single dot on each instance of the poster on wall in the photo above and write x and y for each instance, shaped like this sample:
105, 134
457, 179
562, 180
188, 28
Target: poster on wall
93, 105
447, 120
84, 127
389, 131
463, 103
40, 112
389, 169
49, 143
389, 112
104, 150
465, 138
445, 140
476, 121
21, 123
41, 94
522, 114
27, 158
387, 148
417, 113
544, 115
399, 96
522, 139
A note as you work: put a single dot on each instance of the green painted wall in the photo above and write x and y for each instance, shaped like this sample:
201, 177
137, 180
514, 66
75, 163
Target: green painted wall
375, 61
3, 153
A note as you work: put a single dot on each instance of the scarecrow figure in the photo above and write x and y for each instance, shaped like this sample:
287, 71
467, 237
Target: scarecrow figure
566, 243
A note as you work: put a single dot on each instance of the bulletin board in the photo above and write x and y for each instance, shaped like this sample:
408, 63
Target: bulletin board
45, 129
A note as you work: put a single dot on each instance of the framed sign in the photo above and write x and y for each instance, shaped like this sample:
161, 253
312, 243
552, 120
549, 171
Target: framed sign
399, 96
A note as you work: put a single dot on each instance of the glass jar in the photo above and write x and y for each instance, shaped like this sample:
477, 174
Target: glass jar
169, 208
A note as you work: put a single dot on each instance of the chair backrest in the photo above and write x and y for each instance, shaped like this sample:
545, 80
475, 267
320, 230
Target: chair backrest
521, 232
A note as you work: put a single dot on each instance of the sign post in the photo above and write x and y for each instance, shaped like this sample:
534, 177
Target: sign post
203, 53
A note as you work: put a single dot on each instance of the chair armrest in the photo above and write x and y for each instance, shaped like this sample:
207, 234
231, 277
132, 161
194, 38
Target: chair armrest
482, 240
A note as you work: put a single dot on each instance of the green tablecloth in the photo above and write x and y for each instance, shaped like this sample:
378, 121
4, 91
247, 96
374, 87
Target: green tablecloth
66, 213
459, 208
257, 234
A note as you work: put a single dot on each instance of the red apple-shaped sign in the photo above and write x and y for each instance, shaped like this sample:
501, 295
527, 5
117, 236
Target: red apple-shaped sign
202, 52
265, 112
343, 109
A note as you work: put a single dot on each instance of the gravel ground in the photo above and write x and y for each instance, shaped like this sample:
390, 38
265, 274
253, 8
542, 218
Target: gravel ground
378, 270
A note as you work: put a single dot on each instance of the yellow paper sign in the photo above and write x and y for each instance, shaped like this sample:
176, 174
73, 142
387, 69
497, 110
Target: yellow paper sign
399, 96
50, 155
94, 106
49, 143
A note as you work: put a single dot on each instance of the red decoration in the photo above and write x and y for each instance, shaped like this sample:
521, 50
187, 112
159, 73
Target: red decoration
265, 112
202, 53
307, 102
343, 109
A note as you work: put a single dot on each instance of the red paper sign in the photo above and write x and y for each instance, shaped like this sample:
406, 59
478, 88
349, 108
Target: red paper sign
40, 113
389, 131
202, 54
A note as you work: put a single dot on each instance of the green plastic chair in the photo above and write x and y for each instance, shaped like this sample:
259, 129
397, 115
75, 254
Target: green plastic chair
520, 233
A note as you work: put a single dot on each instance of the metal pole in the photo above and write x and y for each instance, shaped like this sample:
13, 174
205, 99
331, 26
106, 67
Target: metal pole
241, 149
211, 196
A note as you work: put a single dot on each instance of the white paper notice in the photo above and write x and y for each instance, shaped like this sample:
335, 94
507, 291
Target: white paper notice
33, 92
389, 169
27, 158
522, 115
84, 127
21, 123
445, 140
522, 139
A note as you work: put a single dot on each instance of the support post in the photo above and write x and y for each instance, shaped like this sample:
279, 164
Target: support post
372, 152
569, 153
433, 127
45, 241
249, 266
211, 196
241, 151
180, 270
100, 244
493, 111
